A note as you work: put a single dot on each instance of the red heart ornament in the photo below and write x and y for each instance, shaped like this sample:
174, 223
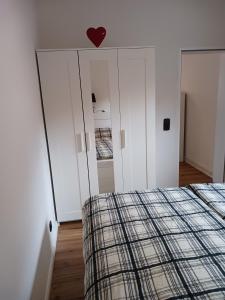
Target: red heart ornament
96, 35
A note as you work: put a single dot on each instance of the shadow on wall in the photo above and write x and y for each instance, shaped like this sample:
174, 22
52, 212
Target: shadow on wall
43, 265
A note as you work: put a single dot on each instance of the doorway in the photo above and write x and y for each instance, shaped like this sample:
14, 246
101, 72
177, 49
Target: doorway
201, 73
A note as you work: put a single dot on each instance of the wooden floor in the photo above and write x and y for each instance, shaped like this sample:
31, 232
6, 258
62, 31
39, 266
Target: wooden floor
68, 274
188, 175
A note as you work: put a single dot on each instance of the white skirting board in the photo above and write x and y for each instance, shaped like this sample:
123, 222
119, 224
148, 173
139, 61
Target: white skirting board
67, 216
198, 167
49, 280
51, 265
44, 266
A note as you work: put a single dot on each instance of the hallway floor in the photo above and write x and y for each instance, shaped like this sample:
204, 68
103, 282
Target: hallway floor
188, 175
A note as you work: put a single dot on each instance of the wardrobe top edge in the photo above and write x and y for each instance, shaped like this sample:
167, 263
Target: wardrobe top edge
84, 49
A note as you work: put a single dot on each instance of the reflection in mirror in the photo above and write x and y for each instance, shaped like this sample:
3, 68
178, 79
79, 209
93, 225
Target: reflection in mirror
103, 128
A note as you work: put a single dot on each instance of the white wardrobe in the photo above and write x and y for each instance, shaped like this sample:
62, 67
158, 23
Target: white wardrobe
82, 89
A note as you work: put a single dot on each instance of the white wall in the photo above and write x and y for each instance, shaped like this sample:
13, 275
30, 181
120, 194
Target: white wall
200, 75
167, 24
26, 198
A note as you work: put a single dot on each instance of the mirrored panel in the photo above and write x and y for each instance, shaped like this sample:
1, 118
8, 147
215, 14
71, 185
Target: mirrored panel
103, 125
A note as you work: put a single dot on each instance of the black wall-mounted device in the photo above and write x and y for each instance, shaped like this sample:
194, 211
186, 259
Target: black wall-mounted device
93, 97
166, 124
50, 226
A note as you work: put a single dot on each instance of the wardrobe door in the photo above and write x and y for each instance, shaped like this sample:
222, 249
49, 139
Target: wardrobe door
99, 81
136, 86
60, 85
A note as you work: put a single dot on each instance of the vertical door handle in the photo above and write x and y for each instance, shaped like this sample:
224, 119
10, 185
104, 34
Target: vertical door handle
123, 138
88, 141
80, 142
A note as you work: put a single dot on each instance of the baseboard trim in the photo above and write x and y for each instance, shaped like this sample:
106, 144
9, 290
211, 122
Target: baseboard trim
51, 267
198, 167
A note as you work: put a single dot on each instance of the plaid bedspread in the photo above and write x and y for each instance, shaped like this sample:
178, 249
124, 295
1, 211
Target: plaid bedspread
161, 244
213, 194
103, 143
104, 149
102, 133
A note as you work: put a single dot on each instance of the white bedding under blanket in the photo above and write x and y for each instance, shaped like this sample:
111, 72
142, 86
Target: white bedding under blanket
161, 244
213, 194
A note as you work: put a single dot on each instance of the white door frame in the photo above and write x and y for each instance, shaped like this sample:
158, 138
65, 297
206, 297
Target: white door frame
219, 139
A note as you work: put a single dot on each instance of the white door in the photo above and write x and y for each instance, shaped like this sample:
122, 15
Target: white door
60, 84
137, 108
99, 78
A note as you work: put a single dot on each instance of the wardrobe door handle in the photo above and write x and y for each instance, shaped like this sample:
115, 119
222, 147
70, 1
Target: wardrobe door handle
88, 141
80, 143
123, 138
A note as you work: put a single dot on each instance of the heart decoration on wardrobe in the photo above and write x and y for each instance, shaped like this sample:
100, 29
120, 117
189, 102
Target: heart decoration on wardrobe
96, 35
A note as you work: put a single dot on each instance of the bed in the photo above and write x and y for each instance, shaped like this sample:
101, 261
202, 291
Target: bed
159, 244
213, 194
103, 142
104, 149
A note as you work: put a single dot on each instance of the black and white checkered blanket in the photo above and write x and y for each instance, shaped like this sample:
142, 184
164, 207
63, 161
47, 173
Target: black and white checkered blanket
102, 133
104, 148
160, 244
103, 142
213, 194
